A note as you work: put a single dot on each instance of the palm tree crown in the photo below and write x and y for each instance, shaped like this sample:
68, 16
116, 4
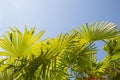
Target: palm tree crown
69, 55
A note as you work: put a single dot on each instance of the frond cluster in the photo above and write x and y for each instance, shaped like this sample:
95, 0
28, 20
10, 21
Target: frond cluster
67, 56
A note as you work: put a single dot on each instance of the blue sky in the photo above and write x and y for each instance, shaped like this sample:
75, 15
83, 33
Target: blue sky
57, 16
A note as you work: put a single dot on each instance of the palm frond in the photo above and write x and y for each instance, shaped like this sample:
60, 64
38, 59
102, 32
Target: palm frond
16, 44
98, 31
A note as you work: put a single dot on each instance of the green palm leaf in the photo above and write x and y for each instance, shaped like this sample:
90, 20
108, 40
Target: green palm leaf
48, 65
16, 44
98, 31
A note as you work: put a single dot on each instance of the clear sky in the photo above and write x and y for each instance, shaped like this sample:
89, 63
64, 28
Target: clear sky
57, 16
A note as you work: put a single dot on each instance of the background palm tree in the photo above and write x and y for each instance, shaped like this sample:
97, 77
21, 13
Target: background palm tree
83, 63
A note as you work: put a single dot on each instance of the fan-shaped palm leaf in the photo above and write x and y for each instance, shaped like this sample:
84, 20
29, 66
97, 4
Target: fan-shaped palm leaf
16, 44
98, 31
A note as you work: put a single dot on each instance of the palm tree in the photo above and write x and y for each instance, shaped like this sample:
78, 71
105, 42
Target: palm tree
69, 55
112, 48
16, 46
82, 60
26, 55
